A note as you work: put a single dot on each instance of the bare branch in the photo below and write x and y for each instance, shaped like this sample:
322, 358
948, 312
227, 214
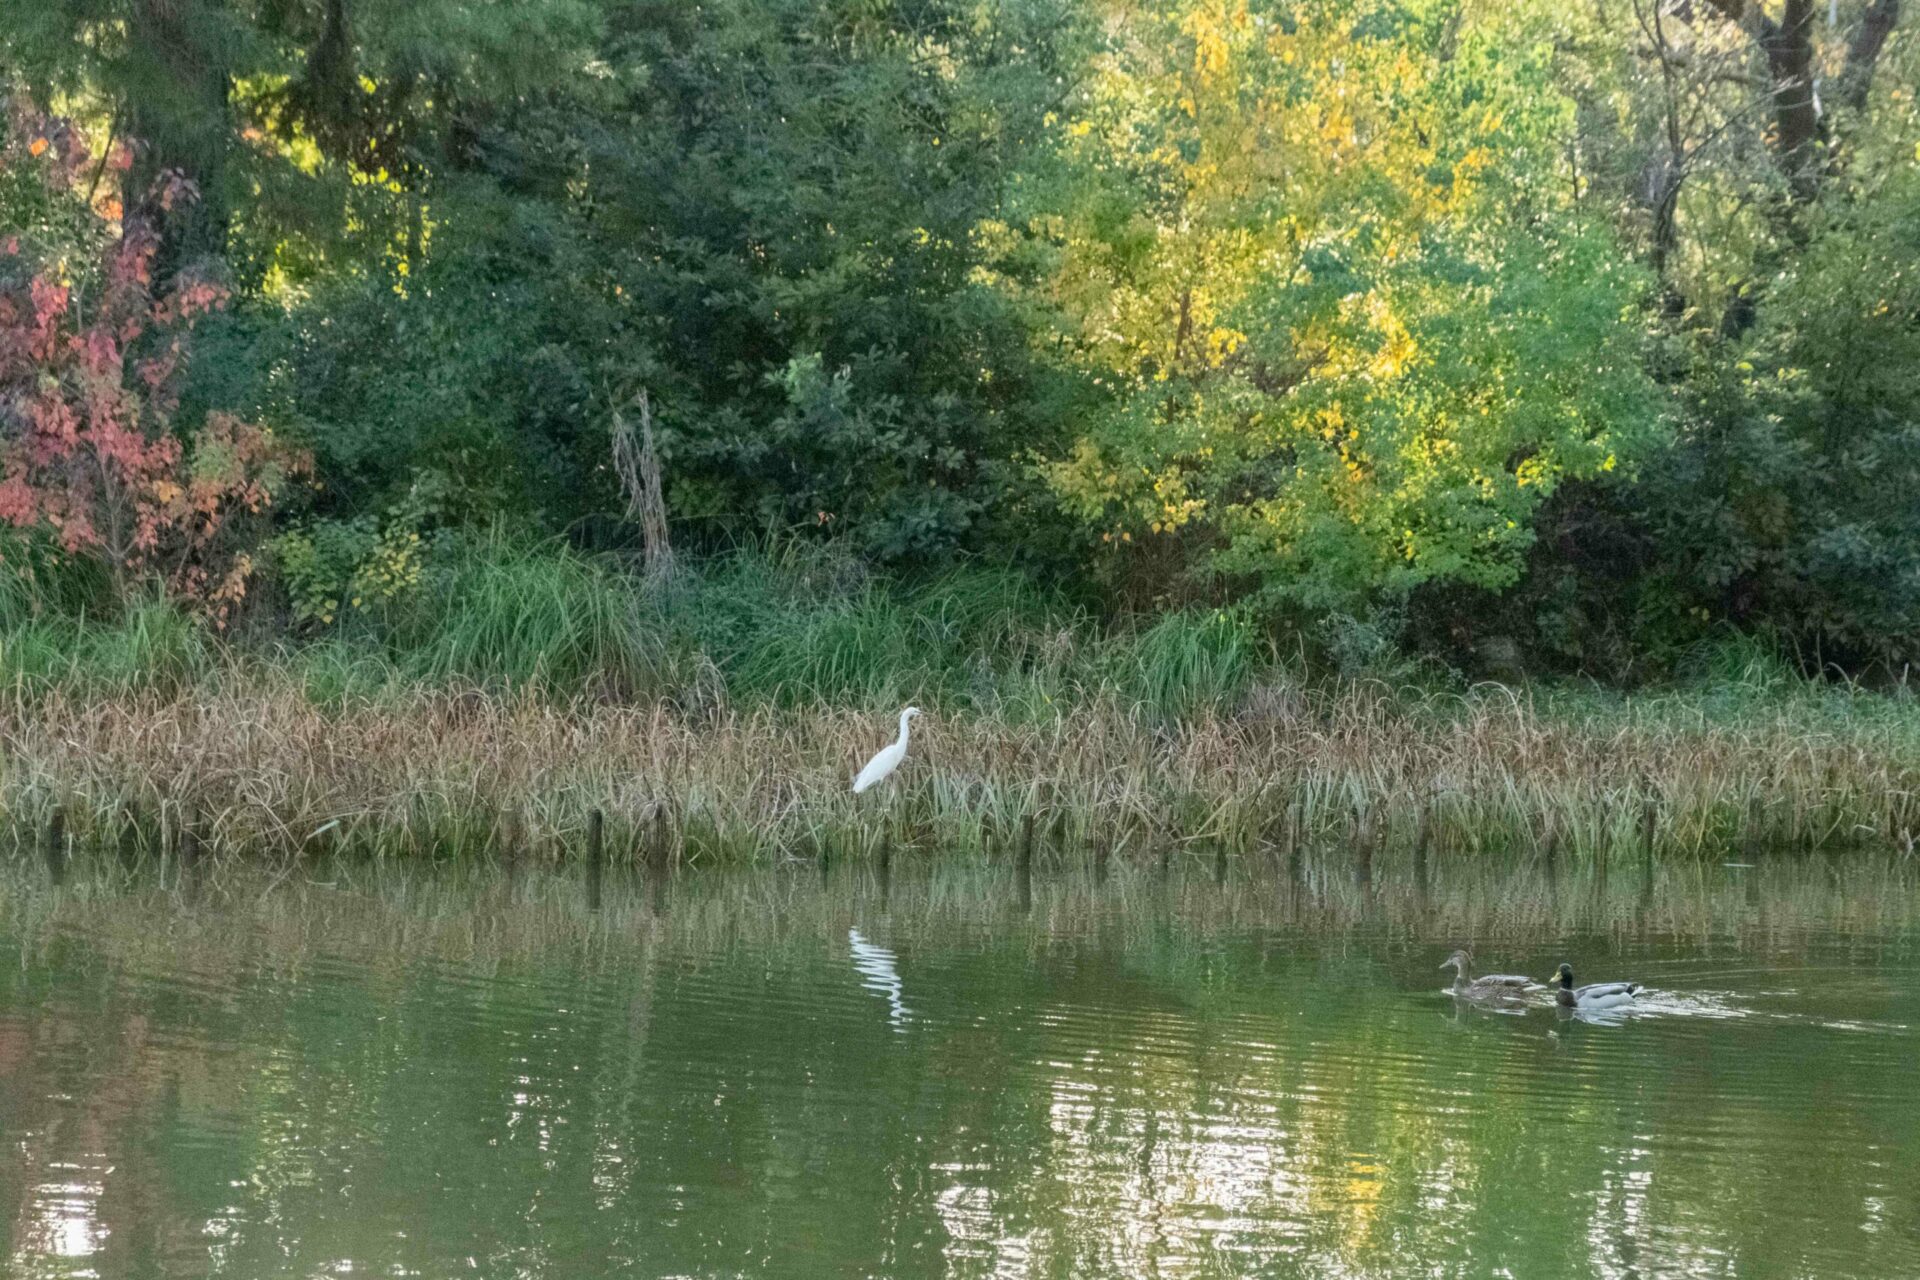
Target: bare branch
637, 463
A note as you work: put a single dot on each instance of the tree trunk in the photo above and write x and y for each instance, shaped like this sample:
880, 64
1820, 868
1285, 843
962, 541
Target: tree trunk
1799, 131
1800, 136
637, 463
1863, 54
181, 120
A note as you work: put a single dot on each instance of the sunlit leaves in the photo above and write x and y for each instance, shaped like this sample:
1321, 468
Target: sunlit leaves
1350, 326
89, 455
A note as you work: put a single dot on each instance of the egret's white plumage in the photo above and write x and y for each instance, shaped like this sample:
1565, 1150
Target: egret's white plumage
888, 758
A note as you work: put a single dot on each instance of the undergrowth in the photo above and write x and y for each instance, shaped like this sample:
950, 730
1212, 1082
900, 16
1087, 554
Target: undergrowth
718, 719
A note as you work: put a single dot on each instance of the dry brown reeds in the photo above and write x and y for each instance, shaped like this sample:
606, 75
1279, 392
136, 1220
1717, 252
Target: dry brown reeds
251, 768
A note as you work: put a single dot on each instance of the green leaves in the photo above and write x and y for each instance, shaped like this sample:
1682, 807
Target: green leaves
1355, 340
1790, 503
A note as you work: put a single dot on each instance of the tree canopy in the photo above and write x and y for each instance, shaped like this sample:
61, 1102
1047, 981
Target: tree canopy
1591, 329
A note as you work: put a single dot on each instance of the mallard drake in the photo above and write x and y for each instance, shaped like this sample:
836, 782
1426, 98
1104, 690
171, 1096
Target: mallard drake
1489, 986
1595, 995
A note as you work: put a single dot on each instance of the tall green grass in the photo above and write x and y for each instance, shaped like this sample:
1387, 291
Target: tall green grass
1185, 664
794, 625
153, 646
507, 615
802, 625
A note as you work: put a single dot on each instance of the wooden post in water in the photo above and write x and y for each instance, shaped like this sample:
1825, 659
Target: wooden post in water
1549, 845
662, 852
189, 848
886, 867
1023, 866
1422, 836
53, 847
1273, 833
1363, 849
596, 856
508, 840
1220, 865
659, 855
130, 837
1649, 828
1296, 843
1600, 868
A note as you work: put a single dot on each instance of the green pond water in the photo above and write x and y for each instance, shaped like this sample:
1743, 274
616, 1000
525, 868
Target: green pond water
398, 1074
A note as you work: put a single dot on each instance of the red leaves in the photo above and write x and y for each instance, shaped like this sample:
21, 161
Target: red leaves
48, 304
98, 351
19, 505
89, 453
174, 188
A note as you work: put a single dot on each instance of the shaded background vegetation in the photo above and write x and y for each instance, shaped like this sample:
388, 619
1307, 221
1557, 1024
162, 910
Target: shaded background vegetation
978, 338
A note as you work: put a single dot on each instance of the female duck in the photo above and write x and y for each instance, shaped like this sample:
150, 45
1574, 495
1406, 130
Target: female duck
1595, 996
1490, 986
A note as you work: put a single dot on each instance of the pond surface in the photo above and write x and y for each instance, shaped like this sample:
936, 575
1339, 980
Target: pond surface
782, 1076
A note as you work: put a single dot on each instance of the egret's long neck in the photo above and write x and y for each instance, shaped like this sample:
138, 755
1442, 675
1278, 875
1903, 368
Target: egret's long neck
904, 717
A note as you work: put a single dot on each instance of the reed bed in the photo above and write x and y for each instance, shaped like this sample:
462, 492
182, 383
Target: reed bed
250, 768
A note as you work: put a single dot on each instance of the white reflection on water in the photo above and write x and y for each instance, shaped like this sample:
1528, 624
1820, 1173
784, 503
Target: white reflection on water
878, 972
63, 1221
1151, 1170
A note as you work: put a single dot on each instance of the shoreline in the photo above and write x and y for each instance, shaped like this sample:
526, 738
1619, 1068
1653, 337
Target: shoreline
248, 767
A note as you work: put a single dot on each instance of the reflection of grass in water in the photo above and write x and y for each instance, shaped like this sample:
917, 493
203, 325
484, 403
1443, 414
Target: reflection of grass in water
467, 914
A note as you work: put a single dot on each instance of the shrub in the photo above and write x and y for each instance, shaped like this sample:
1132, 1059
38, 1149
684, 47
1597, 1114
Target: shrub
90, 454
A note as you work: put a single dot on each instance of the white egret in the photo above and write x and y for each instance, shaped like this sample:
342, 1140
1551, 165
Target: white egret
888, 758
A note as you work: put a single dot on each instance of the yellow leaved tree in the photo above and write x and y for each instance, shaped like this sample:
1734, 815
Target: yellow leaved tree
1348, 326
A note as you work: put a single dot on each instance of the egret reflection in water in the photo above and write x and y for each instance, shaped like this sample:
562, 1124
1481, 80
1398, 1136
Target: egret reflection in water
879, 972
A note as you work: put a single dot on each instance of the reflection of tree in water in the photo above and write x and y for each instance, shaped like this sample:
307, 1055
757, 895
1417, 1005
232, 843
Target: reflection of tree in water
1153, 1082
81, 1176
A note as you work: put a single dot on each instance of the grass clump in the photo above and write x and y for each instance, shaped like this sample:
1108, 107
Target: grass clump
152, 647
1184, 664
506, 616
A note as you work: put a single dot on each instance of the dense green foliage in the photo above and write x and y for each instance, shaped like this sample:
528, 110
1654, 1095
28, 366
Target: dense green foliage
1519, 337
